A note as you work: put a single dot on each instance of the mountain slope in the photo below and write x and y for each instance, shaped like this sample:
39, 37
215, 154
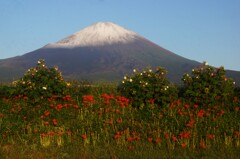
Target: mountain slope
103, 51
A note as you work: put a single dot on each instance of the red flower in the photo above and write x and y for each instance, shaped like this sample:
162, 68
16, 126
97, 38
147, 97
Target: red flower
201, 113
84, 136
46, 113
191, 123
117, 136
88, 99
158, 140
150, 139
185, 135
183, 144
46, 123
237, 109
210, 136
54, 122
130, 147
130, 139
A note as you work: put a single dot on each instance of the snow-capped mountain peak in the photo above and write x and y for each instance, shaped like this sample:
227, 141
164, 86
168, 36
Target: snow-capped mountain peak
98, 34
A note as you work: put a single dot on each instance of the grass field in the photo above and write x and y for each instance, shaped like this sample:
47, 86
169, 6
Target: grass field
97, 122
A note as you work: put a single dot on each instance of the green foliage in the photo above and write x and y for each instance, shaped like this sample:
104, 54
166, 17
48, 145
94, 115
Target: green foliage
41, 82
208, 85
148, 87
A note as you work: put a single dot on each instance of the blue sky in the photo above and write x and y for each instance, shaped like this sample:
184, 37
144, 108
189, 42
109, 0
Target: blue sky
202, 30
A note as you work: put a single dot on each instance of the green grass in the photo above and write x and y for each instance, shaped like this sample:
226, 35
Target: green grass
96, 122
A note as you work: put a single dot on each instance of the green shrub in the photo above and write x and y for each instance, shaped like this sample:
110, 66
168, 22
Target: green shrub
41, 82
148, 87
208, 85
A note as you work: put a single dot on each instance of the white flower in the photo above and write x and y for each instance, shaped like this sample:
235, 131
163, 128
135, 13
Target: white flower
193, 70
233, 82
45, 88
125, 77
39, 62
134, 70
130, 80
146, 83
68, 84
123, 82
141, 74
150, 70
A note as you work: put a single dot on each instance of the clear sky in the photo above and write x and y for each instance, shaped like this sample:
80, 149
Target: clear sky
202, 30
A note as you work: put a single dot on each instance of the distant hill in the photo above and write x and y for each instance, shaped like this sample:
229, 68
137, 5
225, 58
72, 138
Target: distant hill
102, 51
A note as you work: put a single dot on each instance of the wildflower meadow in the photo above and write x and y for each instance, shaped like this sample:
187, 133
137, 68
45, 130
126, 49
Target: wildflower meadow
143, 116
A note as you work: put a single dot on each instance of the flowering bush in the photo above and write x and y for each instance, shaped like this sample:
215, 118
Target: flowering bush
207, 85
148, 87
41, 82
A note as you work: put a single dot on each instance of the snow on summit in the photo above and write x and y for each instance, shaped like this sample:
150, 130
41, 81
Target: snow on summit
98, 34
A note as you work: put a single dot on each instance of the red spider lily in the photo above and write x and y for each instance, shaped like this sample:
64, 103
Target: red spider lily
51, 133
107, 109
160, 115
43, 135
107, 98
190, 123
117, 136
60, 133
158, 140
201, 113
150, 139
130, 147
130, 138
123, 101
187, 106
137, 138
84, 136
237, 134
2, 115
180, 112
217, 97
35, 130
119, 121
46, 123
178, 103
151, 101
118, 132
110, 121
237, 109
76, 106
46, 113
59, 106
118, 111
174, 138
210, 136
88, 99
54, 122
67, 98
185, 135
183, 144
195, 106
167, 136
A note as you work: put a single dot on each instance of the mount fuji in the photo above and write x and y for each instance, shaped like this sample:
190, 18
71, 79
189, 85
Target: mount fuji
102, 51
